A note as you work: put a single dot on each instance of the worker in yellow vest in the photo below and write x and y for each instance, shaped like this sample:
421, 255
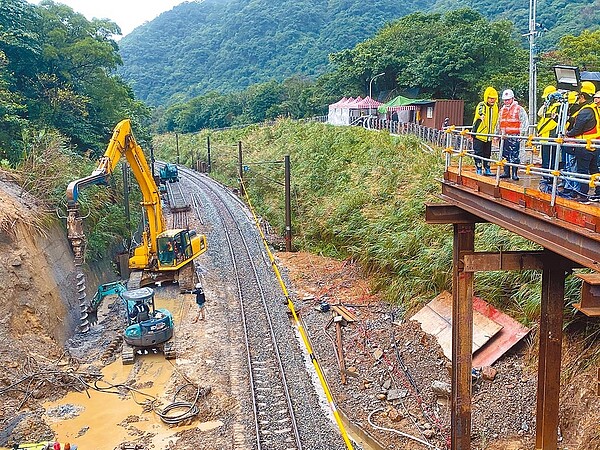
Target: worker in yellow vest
584, 124
484, 122
547, 124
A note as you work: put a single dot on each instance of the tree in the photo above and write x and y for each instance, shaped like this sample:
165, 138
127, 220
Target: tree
441, 56
582, 51
60, 68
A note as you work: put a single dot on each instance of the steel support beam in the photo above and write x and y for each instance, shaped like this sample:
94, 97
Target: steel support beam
572, 242
445, 213
551, 322
462, 338
486, 261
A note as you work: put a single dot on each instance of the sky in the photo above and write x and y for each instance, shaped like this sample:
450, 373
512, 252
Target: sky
128, 14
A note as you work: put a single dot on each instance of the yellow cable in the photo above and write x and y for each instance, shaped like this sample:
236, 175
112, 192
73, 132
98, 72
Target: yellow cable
291, 307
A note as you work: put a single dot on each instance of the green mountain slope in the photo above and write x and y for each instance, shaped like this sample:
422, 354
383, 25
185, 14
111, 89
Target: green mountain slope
227, 45
555, 17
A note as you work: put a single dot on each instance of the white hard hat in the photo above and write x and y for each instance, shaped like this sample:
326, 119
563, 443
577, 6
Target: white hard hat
507, 94
198, 285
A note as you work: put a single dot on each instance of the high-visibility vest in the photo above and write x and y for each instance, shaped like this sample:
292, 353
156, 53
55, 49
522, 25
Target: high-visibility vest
509, 119
488, 123
547, 122
594, 132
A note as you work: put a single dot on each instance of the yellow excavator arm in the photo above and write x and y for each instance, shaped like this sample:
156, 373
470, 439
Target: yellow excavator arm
121, 144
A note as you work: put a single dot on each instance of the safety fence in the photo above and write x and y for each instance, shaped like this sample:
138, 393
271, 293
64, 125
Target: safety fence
562, 180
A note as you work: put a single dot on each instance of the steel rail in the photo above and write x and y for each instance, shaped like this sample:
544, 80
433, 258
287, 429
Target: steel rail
276, 353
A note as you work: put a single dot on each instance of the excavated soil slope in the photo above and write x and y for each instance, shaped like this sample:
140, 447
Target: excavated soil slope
40, 309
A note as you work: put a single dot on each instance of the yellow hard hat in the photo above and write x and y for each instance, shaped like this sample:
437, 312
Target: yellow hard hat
587, 87
572, 97
490, 92
548, 90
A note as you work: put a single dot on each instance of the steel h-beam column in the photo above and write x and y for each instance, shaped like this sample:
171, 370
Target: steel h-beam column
551, 321
462, 337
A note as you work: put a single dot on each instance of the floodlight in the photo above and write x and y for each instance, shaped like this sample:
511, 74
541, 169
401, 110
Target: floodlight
567, 78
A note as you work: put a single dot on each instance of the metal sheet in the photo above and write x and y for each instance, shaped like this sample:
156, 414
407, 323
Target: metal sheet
436, 319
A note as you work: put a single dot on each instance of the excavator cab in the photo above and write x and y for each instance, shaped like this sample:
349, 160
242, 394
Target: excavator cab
177, 247
154, 332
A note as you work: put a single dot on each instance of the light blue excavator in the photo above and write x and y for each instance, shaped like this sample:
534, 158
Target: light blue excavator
148, 328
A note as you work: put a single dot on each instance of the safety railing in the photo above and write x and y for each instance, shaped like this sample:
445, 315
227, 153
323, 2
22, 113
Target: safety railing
457, 142
434, 136
551, 179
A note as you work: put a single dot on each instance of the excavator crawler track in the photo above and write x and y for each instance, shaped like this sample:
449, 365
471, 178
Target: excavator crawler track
169, 350
127, 354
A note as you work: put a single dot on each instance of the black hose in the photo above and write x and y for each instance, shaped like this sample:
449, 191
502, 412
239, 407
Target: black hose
190, 408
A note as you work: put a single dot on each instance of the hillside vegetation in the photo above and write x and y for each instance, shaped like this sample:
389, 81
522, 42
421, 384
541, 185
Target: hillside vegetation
454, 55
228, 45
360, 194
57, 73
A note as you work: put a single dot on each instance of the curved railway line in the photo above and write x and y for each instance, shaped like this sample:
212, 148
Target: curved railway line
274, 417
272, 380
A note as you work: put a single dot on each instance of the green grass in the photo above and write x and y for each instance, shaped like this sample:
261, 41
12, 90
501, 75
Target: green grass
361, 195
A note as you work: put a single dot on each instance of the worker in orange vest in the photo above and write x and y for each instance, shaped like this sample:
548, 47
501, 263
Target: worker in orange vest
512, 121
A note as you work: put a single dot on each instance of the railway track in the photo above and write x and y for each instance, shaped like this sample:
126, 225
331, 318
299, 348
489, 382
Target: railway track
275, 424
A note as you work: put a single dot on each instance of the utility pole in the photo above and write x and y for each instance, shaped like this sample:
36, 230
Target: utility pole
177, 146
371, 89
241, 169
532, 65
288, 205
208, 153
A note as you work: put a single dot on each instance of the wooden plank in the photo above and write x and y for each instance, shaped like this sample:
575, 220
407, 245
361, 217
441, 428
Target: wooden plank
345, 313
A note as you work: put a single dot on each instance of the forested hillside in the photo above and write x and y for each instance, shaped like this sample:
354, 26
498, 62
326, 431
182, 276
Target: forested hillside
228, 45
57, 73
556, 18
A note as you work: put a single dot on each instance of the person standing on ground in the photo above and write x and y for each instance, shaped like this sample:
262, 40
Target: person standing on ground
546, 127
484, 122
200, 301
586, 126
512, 122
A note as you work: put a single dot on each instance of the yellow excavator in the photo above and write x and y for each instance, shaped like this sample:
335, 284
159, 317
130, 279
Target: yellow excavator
164, 254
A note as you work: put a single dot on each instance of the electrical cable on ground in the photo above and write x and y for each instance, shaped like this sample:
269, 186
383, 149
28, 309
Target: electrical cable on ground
391, 430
